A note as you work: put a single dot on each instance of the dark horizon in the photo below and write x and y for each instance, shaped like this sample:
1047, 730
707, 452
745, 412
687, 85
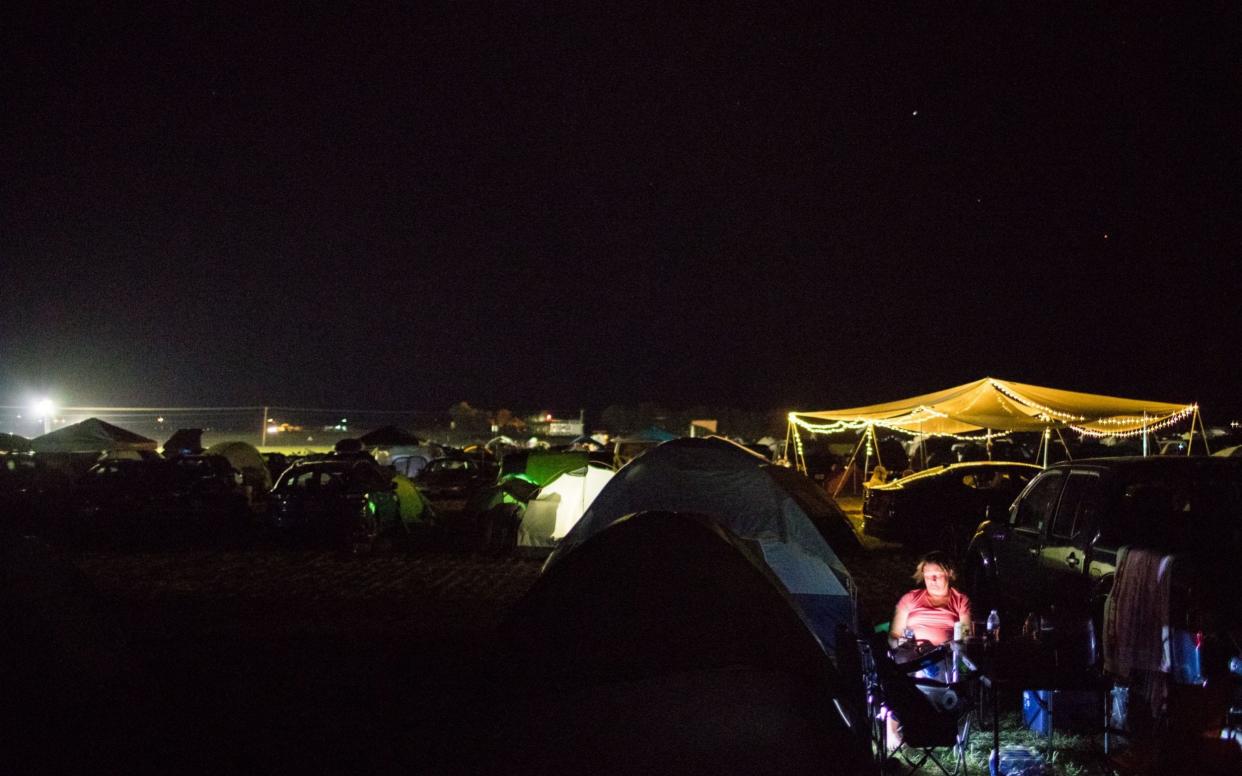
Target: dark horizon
793, 208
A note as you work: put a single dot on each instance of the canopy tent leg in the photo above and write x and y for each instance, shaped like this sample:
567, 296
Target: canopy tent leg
853, 456
1190, 443
1068, 455
1045, 442
790, 431
875, 442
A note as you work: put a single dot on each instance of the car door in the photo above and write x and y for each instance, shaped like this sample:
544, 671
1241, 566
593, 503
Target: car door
1017, 549
1063, 557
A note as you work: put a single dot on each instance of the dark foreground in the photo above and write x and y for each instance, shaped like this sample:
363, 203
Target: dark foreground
268, 659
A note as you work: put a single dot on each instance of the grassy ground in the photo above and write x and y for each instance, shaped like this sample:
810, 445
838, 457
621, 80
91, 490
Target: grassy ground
883, 575
255, 659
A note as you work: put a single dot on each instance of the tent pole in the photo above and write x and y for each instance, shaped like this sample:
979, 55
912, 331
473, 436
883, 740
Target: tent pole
1145, 434
788, 435
1045, 442
1068, 455
1202, 430
845, 472
1190, 440
876, 443
263, 430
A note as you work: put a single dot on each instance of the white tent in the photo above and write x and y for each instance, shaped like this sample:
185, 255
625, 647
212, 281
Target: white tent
560, 504
757, 502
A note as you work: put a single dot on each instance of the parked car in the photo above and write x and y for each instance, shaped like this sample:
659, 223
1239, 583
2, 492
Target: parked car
339, 501
940, 508
208, 483
153, 498
123, 499
1057, 549
455, 477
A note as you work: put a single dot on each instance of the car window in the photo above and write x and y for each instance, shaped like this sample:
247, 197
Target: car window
1037, 503
1080, 507
301, 480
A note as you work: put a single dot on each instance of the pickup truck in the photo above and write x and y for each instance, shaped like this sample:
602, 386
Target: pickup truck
1057, 549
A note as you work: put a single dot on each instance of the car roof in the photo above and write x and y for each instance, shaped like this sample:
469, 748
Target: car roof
1163, 462
954, 469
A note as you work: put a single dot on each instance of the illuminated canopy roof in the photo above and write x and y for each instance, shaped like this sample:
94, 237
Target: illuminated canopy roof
1000, 405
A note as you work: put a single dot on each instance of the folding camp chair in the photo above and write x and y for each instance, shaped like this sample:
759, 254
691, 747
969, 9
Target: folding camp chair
933, 714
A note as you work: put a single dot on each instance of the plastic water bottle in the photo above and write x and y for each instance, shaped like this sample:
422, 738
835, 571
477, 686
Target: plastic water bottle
994, 625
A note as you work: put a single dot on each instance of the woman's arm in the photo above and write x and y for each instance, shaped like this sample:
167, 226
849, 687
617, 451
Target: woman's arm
898, 626
964, 613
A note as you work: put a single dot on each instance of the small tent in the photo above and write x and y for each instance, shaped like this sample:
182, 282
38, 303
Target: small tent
716, 477
560, 504
245, 458
539, 466
662, 644
92, 436
13, 443
415, 511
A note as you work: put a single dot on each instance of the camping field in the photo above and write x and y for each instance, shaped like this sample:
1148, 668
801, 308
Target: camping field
264, 658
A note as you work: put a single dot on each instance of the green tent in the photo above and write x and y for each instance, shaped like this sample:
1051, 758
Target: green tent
414, 510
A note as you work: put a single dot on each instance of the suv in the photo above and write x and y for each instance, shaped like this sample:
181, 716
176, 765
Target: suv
1059, 545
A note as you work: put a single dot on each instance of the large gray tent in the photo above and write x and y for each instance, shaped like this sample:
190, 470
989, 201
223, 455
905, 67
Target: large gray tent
91, 436
793, 527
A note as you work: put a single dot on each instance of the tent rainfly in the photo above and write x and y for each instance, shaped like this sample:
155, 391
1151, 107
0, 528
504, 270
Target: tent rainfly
989, 406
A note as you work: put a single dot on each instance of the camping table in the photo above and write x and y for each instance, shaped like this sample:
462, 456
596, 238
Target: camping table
1026, 663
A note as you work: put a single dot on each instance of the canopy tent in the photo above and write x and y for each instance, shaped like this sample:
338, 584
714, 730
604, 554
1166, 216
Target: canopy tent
798, 538
981, 409
91, 436
389, 436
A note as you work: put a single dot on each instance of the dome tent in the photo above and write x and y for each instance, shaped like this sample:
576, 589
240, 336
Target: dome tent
753, 500
662, 644
246, 459
558, 505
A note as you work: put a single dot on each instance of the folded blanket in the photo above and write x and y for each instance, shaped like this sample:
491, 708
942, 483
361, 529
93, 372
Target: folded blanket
1136, 619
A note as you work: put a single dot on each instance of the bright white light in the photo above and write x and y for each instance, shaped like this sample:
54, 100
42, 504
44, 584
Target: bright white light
273, 429
44, 408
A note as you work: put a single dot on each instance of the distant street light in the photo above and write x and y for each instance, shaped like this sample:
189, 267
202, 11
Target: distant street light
45, 408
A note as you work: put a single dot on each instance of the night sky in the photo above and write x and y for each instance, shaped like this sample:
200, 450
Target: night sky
560, 206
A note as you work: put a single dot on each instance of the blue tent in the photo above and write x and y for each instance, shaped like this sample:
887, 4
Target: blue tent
755, 501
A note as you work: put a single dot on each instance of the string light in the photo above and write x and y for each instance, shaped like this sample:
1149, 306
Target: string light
1048, 412
1126, 426
1144, 428
892, 424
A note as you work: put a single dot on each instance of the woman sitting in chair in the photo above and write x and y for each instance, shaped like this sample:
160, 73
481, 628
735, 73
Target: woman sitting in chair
932, 610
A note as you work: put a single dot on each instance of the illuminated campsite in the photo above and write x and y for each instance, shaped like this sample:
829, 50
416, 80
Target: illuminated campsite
509, 388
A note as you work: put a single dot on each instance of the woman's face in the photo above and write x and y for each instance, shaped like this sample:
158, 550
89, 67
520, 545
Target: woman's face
936, 579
